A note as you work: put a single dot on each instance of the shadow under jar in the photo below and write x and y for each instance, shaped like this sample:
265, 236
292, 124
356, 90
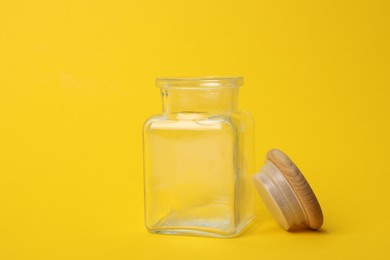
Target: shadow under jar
198, 158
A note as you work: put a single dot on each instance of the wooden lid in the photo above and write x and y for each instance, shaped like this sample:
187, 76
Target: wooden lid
300, 186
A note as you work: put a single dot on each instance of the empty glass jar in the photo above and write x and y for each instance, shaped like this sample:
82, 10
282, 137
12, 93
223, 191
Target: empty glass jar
198, 157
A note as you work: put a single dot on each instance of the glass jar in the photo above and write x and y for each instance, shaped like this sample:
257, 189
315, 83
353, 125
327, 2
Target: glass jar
198, 158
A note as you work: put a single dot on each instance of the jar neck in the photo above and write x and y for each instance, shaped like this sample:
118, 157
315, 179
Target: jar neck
213, 95
199, 100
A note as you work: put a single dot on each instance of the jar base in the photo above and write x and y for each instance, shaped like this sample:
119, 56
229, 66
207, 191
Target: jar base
187, 231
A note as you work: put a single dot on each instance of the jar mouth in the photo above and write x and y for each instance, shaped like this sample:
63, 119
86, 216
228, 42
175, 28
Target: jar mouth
200, 82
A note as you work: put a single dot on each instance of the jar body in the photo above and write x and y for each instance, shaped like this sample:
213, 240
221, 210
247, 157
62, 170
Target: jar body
197, 166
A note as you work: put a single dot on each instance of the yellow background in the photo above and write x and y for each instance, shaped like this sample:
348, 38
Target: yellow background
77, 83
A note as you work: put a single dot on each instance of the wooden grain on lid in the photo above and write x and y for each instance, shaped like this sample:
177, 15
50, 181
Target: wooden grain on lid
300, 186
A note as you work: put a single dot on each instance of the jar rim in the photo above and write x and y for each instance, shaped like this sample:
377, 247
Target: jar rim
199, 82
